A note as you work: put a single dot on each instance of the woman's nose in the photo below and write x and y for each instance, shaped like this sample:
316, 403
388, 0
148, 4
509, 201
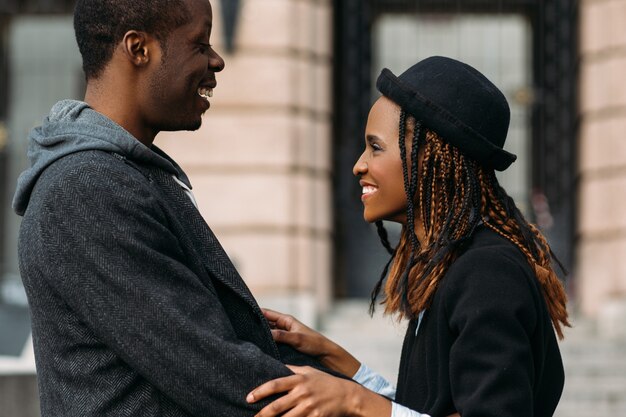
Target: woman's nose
360, 167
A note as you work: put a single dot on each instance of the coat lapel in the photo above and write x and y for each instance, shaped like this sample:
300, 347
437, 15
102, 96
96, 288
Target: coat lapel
205, 243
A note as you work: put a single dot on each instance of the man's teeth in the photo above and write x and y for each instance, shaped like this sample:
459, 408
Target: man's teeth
205, 92
368, 189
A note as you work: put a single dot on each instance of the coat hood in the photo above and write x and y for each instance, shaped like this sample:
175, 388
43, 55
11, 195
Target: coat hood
72, 126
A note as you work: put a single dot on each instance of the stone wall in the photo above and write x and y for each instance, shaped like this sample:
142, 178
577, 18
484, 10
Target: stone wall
601, 272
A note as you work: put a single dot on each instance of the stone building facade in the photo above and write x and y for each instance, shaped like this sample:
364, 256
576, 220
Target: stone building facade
601, 235
263, 165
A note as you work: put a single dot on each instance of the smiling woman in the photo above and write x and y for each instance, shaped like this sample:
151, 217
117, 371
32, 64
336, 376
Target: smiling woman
470, 274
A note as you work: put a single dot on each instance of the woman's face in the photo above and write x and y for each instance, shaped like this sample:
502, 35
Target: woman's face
380, 167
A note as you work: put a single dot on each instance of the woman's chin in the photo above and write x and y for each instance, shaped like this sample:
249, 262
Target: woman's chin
370, 218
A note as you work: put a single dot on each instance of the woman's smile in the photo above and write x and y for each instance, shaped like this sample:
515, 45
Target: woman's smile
368, 190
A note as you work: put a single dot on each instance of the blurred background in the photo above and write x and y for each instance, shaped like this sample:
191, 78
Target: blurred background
271, 165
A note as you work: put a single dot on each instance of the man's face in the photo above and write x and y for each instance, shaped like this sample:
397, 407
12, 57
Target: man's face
183, 75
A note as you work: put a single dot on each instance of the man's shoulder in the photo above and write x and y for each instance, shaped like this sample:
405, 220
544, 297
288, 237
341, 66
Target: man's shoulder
88, 161
91, 170
87, 178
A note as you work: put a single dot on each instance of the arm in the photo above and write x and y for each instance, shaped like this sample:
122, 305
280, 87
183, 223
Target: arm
103, 244
311, 392
288, 330
374, 382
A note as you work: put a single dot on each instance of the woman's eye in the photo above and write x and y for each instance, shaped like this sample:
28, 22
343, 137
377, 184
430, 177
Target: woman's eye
376, 147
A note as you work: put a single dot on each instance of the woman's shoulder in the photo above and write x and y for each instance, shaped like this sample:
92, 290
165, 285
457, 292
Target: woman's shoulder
490, 282
490, 266
487, 251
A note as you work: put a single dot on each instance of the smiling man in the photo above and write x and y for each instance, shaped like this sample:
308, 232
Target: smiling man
136, 309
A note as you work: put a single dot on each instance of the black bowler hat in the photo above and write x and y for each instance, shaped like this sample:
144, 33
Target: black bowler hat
458, 103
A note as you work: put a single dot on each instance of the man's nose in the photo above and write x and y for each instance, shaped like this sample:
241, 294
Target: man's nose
216, 62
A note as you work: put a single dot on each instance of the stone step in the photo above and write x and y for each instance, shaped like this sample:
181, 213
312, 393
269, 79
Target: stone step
566, 409
601, 347
585, 387
594, 373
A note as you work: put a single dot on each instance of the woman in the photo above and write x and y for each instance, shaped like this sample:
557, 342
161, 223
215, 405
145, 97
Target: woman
471, 275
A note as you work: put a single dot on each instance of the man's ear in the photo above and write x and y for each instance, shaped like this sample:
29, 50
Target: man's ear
138, 47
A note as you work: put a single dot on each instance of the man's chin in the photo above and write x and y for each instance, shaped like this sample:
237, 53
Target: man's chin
195, 126
188, 126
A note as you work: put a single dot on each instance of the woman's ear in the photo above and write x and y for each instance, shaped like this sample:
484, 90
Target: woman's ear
137, 47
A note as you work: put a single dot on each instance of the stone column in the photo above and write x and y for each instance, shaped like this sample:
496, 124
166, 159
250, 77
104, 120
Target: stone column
260, 165
602, 218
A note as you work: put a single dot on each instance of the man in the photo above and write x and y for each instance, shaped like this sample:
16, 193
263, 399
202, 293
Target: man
136, 309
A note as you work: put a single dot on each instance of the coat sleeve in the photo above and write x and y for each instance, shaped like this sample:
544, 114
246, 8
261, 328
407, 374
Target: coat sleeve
108, 252
492, 311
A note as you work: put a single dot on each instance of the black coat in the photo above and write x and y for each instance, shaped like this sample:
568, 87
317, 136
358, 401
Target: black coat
486, 346
136, 308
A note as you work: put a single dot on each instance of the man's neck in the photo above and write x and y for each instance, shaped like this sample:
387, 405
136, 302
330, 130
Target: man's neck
116, 103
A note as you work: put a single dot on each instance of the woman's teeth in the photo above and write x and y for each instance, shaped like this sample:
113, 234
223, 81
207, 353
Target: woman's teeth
368, 189
205, 92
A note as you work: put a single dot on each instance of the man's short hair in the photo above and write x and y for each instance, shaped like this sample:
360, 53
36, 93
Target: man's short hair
101, 24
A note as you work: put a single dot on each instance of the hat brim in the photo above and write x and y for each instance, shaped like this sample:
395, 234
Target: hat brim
438, 119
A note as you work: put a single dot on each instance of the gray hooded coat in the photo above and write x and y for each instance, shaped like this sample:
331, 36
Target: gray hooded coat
136, 308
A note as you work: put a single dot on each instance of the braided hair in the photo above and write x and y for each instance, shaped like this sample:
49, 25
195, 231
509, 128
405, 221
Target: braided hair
454, 195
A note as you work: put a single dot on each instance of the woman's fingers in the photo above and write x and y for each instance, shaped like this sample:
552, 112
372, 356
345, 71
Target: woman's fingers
288, 338
298, 410
301, 370
275, 386
278, 386
277, 407
280, 320
270, 315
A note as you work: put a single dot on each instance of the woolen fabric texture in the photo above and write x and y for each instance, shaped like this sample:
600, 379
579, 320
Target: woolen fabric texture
486, 346
136, 308
457, 102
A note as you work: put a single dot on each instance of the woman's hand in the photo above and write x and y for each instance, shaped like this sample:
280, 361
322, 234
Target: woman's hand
286, 329
314, 393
